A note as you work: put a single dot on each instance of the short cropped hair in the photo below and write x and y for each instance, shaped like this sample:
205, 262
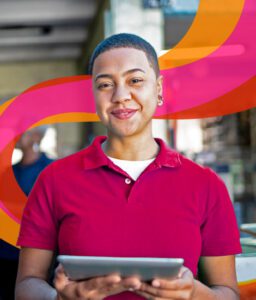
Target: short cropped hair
125, 40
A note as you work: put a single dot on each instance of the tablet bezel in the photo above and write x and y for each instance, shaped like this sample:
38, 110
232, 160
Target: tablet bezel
146, 268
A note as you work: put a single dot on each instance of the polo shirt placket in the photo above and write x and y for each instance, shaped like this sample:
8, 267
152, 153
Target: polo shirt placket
97, 158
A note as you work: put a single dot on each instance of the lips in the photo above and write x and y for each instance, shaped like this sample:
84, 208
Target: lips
124, 113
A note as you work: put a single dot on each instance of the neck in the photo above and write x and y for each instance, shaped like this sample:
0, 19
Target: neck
30, 156
131, 148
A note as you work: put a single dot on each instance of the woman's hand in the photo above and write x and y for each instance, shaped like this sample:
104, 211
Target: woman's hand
94, 289
181, 288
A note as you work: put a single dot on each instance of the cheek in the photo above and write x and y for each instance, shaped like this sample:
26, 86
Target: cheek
101, 107
149, 99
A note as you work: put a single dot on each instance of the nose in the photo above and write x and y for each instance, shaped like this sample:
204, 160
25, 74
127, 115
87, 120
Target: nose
121, 94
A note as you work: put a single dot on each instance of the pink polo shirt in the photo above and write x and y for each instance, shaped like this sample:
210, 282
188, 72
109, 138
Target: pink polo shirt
85, 205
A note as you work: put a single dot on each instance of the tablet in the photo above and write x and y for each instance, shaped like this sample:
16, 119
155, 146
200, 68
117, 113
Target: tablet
82, 267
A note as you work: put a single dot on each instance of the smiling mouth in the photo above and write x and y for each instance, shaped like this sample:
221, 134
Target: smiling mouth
123, 114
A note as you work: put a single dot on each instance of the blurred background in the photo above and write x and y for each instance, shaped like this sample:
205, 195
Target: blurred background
42, 40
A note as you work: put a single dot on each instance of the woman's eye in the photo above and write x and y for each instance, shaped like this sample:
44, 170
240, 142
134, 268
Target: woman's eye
104, 85
136, 80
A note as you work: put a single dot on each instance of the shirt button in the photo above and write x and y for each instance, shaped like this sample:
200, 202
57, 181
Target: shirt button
128, 180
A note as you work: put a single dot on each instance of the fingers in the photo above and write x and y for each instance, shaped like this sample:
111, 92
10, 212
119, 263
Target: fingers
95, 288
60, 278
184, 280
100, 287
59, 269
132, 283
179, 288
101, 282
184, 272
176, 284
164, 293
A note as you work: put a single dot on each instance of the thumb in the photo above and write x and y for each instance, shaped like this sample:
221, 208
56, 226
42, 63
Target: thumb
60, 278
184, 272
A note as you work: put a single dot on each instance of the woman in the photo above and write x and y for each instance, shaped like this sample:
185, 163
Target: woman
129, 195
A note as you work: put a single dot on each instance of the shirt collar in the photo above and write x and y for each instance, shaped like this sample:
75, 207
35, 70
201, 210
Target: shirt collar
94, 157
167, 157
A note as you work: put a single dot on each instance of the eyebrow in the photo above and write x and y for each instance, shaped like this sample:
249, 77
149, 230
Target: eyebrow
125, 73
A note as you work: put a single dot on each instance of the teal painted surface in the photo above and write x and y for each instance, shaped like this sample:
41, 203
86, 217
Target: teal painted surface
248, 245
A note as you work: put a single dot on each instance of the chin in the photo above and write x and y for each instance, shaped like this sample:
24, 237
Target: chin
123, 133
129, 131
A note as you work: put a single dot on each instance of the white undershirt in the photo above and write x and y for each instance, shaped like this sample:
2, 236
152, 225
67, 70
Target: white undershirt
132, 167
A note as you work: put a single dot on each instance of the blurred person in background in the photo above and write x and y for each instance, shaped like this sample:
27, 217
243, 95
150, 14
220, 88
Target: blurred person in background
26, 171
33, 159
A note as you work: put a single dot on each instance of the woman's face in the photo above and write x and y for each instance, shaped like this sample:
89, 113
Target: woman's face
126, 90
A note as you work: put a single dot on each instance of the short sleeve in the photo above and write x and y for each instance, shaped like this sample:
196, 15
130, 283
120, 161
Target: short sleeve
39, 225
219, 229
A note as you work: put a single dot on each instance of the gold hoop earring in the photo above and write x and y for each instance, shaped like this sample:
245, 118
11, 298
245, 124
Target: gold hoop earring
160, 101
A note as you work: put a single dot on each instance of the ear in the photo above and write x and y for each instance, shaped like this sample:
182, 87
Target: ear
160, 85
